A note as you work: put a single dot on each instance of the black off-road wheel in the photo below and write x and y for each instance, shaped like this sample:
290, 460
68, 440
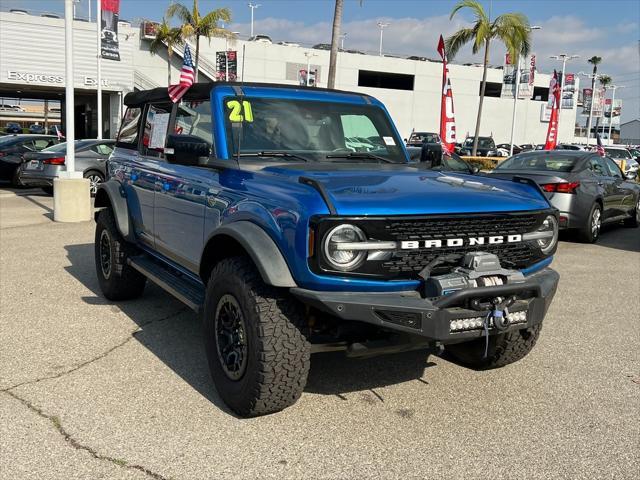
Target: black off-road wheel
590, 232
504, 349
117, 279
254, 336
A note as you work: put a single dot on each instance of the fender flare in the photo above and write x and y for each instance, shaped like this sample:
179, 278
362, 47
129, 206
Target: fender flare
111, 194
263, 251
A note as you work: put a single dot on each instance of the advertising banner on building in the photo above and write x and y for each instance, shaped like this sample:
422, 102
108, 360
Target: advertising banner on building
227, 66
617, 110
109, 10
569, 91
527, 76
597, 98
587, 95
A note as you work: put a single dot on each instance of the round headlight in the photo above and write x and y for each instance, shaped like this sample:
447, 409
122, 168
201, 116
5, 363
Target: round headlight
550, 228
337, 255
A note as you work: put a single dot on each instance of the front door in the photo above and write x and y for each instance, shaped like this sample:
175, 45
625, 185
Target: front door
181, 197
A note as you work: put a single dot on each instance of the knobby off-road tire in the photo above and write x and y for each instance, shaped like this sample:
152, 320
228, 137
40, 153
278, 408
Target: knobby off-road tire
118, 280
268, 369
590, 232
504, 348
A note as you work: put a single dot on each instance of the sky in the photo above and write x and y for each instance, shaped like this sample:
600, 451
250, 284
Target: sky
607, 28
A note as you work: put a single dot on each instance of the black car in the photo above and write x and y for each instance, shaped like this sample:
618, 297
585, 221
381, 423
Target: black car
587, 189
12, 149
431, 157
13, 127
507, 146
322, 46
486, 147
36, 129
416, 139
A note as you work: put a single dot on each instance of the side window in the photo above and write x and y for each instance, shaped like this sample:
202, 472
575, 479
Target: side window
128, 135
156, 124
597, 166
42, 143
613, 167
103, 149
194, 118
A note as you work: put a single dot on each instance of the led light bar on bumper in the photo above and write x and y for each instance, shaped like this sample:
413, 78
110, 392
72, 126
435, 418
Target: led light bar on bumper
477, 323
395, 248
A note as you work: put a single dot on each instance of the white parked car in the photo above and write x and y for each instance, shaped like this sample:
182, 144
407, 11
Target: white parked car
261, 39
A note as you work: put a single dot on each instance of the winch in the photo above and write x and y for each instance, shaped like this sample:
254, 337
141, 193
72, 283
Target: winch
476, 269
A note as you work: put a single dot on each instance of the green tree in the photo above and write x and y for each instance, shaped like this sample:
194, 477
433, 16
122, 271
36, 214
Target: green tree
595, 61
195, 25
512, 29
166, 37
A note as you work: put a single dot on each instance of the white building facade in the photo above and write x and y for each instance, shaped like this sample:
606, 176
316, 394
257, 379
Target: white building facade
32, 66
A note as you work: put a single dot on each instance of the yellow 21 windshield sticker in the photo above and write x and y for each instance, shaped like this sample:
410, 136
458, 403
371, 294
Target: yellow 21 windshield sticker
240, 112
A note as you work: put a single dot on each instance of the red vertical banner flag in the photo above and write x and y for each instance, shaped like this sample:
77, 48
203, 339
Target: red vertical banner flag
554, 97
447, 120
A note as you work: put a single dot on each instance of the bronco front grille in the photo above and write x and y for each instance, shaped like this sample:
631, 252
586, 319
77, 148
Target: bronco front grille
406, 264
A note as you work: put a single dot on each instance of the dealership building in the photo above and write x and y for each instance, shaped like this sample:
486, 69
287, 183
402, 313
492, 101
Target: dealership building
32, 64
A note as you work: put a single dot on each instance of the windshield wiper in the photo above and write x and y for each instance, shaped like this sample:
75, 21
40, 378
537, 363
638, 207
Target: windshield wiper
274, 154
360, 156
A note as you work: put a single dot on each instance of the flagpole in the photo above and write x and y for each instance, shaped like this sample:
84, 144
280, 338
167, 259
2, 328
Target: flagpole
99, 65
70, 157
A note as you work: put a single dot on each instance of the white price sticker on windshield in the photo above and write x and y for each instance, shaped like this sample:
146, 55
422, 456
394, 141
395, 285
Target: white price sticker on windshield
389, 141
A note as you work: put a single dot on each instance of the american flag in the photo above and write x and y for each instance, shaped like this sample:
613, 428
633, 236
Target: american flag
599, 147
187, 76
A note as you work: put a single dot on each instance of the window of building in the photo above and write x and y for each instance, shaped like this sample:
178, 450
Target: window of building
541, 93
395, 81
493, 89
128, 136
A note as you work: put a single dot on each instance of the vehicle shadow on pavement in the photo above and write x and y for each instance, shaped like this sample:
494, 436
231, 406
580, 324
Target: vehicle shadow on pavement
620, 238
335, 374
176, 340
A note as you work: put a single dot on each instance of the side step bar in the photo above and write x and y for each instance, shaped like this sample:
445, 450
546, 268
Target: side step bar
186, 290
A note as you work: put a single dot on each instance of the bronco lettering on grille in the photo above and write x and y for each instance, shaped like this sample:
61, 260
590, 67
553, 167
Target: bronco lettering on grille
460, 242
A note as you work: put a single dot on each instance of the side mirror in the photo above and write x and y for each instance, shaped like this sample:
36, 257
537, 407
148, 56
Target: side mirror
474, 170
630, 175
187, 150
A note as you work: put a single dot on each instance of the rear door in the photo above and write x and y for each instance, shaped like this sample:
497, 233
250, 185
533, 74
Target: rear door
604, 185
618, 190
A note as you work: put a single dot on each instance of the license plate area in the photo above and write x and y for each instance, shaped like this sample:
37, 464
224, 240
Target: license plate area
34, 165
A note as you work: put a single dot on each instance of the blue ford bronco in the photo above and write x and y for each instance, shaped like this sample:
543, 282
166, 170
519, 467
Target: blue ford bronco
290, 219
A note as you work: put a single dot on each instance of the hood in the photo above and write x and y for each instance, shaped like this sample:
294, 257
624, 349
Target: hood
373, 189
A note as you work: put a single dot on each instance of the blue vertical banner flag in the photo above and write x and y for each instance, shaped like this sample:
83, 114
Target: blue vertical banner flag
110, 11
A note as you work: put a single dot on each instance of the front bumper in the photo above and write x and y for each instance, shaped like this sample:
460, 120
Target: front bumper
431, 317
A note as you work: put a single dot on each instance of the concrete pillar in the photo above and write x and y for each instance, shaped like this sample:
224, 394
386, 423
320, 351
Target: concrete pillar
71, 200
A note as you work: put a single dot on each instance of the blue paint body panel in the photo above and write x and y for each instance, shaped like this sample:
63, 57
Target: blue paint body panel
176, 209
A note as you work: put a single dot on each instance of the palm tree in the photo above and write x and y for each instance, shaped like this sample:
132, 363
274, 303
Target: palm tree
169, 37
335, 38
595, 61
512, 29
194, 25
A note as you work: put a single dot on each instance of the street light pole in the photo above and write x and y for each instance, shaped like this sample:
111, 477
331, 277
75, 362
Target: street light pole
342, 37
253, 6
69, 8
594, 78
382, 26
99, 65
309, 55
613, 100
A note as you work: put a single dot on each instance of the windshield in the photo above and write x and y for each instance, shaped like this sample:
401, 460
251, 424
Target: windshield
9, 140
540, 161
617, 153
310, 129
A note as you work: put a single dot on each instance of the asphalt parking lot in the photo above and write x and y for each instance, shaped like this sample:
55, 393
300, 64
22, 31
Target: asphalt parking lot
90, 389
